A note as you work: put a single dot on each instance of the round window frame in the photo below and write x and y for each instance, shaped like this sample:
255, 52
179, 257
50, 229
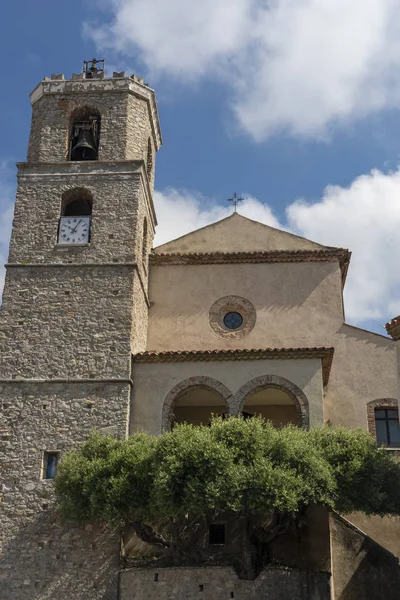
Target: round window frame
235, 314
228, 304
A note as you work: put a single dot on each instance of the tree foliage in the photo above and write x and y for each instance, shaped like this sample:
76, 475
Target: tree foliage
246, 467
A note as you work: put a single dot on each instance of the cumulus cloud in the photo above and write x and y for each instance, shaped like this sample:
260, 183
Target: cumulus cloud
364, 217
293, 66
182, 211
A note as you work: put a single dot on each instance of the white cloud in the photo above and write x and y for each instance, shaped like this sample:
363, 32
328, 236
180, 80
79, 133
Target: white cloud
182, 211
365, 217
293, 66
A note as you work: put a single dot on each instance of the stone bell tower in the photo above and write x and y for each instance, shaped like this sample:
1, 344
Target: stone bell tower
75, 306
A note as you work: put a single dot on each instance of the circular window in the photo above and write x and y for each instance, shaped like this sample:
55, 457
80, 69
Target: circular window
232, 317
233, 320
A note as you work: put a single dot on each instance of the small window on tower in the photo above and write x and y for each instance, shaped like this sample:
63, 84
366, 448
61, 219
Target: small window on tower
50, 461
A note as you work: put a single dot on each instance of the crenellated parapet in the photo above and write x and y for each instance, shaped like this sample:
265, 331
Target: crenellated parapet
393, 328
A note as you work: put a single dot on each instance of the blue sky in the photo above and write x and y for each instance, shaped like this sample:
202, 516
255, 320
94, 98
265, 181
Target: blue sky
293, 104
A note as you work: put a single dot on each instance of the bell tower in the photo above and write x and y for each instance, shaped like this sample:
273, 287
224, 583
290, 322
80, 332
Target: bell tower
75, 307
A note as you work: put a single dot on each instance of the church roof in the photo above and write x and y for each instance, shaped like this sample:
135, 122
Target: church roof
237, 239
237, 234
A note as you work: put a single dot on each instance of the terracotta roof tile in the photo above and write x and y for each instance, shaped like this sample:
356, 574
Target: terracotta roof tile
324, 353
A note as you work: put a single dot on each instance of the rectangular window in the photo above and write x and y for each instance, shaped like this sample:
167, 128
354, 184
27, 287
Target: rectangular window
387, 426
50, 461
217, 534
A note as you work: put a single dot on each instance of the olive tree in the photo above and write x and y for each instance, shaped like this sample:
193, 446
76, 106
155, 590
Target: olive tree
267, 477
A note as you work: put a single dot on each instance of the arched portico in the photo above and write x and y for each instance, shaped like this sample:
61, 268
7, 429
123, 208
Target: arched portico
194, 400
287, 394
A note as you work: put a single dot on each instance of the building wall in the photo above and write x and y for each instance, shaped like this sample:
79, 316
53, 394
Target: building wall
297, 304
41, 557
222, 582
71, 317
120, 203
153, 382
361, 568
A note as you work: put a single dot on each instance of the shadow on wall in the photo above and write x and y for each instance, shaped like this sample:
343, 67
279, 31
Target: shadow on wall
361, 567
366, 337
45, 560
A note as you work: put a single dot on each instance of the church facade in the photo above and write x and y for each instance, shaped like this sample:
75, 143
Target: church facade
100, 332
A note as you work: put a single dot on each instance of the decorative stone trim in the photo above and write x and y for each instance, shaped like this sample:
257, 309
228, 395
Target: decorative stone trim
232, 304
380, 403
276, 382
393, 328
325, 354
340, 255
181, 388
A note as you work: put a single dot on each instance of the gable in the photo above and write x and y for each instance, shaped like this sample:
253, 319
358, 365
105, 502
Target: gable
237, 234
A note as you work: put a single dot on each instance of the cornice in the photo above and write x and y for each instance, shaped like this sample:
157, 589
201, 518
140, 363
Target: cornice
88, 169
323, 353
340, 255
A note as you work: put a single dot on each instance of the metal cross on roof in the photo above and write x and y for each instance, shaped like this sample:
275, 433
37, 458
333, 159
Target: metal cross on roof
235, 200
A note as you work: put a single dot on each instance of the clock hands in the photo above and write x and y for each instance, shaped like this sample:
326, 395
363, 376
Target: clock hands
74, 230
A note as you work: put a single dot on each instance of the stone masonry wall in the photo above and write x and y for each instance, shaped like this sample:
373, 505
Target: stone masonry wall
49, 137
139, 135
222, 583
361, 567
40, 558
119, 205
69, 317
67, 322
74, 312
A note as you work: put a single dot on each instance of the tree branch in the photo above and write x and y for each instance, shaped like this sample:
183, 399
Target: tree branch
148, 535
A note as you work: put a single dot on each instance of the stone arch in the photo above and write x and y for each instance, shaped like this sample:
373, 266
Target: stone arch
84, 121
277, 382
79, 200
378, 403
184, 386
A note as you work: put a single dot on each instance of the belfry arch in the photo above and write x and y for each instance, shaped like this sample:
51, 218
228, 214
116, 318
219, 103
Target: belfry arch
275, 398
194, 400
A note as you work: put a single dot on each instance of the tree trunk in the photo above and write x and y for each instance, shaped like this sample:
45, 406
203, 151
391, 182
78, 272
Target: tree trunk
247, 570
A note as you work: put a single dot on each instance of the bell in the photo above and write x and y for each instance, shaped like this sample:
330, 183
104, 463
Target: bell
85, 147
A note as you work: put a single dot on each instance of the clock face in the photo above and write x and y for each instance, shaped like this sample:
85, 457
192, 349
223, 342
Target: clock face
74, 230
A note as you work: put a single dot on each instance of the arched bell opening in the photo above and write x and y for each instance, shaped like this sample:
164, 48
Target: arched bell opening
197, 406
84, 134
273, 404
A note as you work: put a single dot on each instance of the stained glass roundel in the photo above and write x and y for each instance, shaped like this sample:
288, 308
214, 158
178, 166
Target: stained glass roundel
233, 320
